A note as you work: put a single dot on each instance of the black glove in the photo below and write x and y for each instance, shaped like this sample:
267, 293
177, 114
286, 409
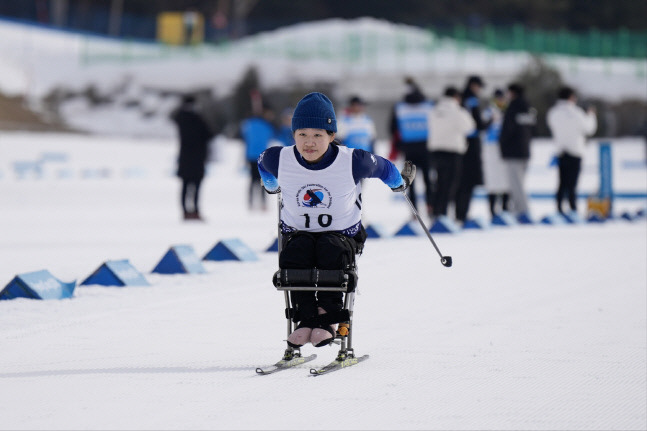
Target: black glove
408, 174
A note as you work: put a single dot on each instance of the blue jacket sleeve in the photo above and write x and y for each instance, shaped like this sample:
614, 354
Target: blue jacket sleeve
367, 165
268, 167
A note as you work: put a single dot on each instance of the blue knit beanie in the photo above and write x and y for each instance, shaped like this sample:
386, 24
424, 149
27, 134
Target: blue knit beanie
314, 111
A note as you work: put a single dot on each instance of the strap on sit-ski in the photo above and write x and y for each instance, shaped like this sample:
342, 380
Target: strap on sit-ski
327, 319
316, 278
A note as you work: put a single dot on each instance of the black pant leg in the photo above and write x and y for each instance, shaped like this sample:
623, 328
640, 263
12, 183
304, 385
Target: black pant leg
470, 176
574, 166
183, 194
443, 166
505, 198
463, 198
417, 153
561, 187
196, 195
569, 172
492, 198
299, 253
334, 251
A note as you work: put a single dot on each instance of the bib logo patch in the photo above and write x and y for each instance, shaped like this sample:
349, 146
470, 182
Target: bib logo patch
313, 196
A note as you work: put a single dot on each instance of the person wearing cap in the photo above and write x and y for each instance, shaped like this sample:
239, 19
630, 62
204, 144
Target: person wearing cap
320, 219
355, 128
472, 172
495, 178
409, 130
570, 125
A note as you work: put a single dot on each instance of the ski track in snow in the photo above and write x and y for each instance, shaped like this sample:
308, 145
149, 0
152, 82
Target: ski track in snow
536, 327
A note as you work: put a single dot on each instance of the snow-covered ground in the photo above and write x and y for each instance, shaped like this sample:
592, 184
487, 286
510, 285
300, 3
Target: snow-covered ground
534, 327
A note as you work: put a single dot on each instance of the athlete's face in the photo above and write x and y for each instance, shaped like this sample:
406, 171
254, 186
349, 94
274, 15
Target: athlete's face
312, 144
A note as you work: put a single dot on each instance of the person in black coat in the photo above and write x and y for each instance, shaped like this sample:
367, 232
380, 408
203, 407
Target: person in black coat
516, 132
472, 172
194, 134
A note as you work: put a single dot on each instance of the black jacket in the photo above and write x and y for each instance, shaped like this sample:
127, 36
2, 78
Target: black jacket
470, 101
516, 130
194, 139
472, 169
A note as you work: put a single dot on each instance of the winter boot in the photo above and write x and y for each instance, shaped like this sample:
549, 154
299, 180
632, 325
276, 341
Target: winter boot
323, 335
299, 336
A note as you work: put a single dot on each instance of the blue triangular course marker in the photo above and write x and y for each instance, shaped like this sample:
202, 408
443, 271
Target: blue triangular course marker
524, 218
641, 213
573, 218
444, 224
627, 216
595, 218
116, 273
554, 219
274, 246
37, 285
410, 229
230, 249
504, 219
374, 230
476, 223
180, 259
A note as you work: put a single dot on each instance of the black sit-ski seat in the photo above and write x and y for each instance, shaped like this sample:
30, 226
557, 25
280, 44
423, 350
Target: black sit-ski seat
315, 279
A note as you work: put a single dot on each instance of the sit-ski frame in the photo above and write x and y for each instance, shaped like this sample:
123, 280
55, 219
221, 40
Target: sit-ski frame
346, 341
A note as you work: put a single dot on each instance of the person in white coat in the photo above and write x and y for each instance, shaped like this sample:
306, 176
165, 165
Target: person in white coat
570, 125
449, 125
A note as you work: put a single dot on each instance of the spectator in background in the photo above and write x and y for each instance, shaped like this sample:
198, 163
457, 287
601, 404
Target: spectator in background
494, 173
409, 131
570, 125
284, 133
518, 124
355, 128
194, 135
257, 133
190, 19
472, 172
449, 124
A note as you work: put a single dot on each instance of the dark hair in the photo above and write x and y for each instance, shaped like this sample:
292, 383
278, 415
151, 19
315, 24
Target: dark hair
498, 93
565, 93
188, 99
475, 79
451, 91
516, 88
356, 99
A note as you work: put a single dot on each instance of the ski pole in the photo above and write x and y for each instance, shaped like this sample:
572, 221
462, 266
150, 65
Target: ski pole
445, 260
279, 234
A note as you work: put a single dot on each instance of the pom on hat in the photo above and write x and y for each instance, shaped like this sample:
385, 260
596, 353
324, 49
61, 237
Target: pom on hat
314, 111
